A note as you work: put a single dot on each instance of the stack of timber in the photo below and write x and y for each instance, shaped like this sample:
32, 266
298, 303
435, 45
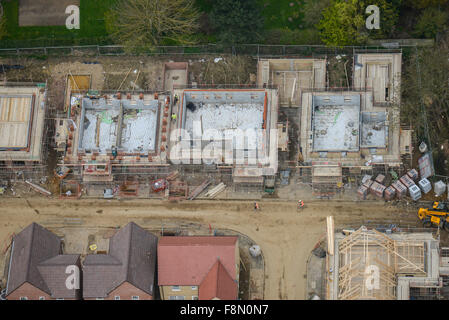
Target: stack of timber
216, 190
199, 189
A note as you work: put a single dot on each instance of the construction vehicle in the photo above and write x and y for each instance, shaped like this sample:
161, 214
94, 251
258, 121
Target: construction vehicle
437, 215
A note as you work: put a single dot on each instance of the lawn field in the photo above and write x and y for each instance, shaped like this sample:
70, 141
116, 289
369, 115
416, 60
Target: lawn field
92, 24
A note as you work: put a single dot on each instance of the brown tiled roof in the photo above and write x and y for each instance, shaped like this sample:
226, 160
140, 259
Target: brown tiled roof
30, 247
187, 260
131, 258
53, 271
218, 283
101, 259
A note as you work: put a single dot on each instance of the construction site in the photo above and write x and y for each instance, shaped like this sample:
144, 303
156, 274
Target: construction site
369, 263
80, 135
162, 132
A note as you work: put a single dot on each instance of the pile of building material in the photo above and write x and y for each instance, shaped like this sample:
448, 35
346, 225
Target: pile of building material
199, 189
380, 178
362, 192
415, 192
390, 193
365, 178
401, 190
439, 188
425, 185
413, 174
368, 183
215, 190
377, 189
406, 181
129, 189
177, 190
172, 176
38, 188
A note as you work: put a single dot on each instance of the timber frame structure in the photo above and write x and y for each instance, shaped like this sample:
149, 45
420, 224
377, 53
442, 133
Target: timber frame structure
365, 250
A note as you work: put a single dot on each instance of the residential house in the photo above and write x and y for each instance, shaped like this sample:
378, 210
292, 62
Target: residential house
127, 272
37, 269
204, 268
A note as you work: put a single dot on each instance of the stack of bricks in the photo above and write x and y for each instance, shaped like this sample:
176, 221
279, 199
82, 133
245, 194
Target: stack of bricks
389, 193
401, 190
377, 189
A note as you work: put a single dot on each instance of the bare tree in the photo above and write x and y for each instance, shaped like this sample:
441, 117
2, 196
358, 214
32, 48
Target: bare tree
148, 23
2, 23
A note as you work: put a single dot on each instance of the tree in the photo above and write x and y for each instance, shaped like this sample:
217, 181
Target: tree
343, 23
237, 21
3, 32
422, 4
313, 11
431, 22
431, 93
149, 23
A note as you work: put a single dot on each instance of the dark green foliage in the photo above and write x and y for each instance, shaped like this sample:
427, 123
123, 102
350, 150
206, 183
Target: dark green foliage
293, 37
431, 21
237, 21
282, 14
313, 11
432, 95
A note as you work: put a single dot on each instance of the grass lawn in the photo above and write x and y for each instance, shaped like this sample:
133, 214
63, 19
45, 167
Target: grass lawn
282, 14
92, 25
278, 14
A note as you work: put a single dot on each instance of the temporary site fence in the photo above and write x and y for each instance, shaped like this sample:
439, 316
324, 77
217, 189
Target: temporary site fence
257, 50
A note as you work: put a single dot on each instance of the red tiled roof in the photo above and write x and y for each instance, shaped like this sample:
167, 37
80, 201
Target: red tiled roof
218, 283
187, 260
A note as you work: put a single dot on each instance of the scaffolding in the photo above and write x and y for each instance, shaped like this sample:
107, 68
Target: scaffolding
15, 170
362, 250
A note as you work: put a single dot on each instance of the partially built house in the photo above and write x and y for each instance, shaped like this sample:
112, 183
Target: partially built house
227, 130
22, 130
291, 76
381, 73
368, 264
356, 128
112, 136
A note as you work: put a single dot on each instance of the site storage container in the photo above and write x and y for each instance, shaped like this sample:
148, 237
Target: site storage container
439, 187
362, 192
425, 185
377, 189
401, 190
389, 193
413, 174
380, 178
406, 181
415, 192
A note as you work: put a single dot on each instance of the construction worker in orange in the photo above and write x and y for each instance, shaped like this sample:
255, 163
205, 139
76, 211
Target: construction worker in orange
256, 206
300, 204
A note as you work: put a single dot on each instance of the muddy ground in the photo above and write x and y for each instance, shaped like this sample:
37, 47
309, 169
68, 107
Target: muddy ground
285, 235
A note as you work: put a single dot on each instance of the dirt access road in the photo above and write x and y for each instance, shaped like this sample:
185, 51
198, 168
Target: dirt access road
285, 235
